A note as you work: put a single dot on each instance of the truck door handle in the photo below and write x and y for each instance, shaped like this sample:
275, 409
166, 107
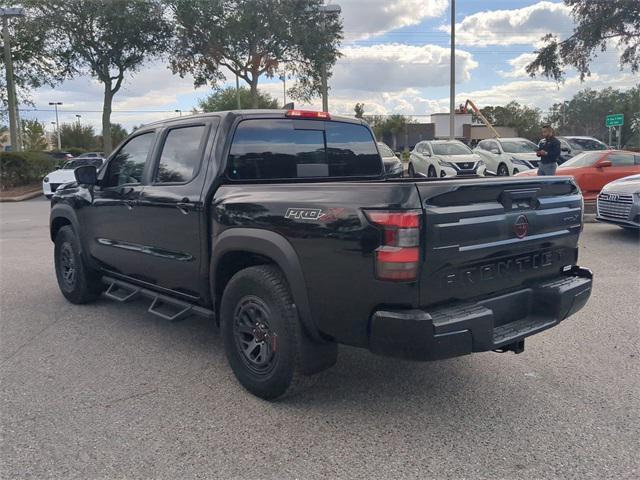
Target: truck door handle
184, 206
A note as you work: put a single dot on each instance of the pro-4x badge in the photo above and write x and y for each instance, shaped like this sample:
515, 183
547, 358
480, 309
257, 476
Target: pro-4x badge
303, 213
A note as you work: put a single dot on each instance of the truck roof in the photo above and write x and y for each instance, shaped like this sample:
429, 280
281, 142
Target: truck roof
246, 113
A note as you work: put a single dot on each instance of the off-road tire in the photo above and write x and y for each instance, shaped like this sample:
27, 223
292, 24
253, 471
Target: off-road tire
77, 281
265, 288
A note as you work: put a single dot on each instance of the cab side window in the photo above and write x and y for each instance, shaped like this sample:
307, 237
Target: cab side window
127, 165
181, 154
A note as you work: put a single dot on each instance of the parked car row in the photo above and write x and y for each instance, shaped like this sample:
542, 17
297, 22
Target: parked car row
65, 174
593, 170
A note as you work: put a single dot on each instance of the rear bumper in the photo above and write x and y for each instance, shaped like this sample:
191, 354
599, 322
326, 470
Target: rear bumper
488, 324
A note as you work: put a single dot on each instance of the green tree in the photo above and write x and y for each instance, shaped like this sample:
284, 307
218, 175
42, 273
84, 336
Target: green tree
598, 22
31, 55
585, 113
225, 99
105, 39
118, 133
252, 38
33, 135
391, 127
359, 110
524, 120
76, 135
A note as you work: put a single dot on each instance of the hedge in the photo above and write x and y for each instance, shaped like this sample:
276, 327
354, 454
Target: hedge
24, 168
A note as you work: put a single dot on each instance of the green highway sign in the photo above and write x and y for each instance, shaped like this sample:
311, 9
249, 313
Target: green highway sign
615, 120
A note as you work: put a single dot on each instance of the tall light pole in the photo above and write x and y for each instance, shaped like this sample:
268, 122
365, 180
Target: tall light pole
55, 105
238, 92
78, 119
452, 81
177, 110
14, 128
326, 10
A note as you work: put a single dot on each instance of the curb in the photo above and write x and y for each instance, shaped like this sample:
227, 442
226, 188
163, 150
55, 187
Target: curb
25, 196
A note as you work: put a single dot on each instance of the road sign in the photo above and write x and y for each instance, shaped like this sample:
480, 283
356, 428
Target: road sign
615, 120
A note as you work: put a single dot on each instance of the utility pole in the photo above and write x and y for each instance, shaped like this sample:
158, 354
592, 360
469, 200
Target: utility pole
55, 105
238, 92
326, 10
14, 128
452, 81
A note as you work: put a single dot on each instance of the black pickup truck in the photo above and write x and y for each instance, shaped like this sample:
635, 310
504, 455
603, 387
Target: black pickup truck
281, 227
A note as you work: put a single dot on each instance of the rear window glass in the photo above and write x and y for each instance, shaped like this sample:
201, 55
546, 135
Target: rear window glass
289, 149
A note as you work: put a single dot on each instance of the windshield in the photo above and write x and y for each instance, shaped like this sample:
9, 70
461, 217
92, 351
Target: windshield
453, 148
584, 159
385, 151
585, 144
519, 146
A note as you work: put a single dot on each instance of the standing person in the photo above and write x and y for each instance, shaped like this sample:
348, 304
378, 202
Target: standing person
548, 151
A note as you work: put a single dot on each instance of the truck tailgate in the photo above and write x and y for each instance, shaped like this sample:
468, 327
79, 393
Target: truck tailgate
494, 235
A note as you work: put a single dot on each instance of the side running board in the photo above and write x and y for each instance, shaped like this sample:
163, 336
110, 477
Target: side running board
163, 306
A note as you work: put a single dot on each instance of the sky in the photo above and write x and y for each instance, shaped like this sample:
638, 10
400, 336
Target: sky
395, 60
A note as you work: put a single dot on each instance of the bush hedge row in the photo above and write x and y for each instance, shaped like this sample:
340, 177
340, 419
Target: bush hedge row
24, 168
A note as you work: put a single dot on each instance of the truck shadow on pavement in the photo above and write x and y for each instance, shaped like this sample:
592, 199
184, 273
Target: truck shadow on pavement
385, 385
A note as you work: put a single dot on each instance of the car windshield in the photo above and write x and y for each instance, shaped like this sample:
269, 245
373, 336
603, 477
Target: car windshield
584, 159
519, 146
81, 162
586, 144
385, 151
452, 148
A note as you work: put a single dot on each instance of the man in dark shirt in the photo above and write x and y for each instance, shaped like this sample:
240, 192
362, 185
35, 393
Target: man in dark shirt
548, 151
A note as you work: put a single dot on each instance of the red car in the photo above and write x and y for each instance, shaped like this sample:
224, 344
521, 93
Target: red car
593, 170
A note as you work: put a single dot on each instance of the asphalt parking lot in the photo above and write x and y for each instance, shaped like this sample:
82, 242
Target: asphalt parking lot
109, 391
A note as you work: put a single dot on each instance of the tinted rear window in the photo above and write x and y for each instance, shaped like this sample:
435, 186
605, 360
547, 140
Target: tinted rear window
272, 149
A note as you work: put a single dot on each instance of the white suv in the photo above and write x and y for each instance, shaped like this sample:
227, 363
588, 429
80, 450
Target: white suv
508, 156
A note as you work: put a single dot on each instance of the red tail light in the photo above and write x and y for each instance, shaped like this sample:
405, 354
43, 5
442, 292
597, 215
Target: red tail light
307, 114
398, 257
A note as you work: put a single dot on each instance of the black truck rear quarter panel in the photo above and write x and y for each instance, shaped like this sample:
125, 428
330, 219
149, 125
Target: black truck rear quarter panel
324, 223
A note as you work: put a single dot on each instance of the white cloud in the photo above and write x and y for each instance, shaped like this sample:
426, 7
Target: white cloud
395, 67
510, 27
363, 19
544, 93
153, 89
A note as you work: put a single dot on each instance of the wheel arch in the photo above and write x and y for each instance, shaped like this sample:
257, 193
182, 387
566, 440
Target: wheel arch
239, 248
60, 216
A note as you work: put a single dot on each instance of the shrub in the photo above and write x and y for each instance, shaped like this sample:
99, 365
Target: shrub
23, 168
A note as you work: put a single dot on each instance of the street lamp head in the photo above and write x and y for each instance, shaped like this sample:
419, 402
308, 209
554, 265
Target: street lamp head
55, 103
11, 12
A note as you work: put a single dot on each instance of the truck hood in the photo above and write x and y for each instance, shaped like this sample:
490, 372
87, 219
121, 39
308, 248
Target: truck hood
469, 158
61, 176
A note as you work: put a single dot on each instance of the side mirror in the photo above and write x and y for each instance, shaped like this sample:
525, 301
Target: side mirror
86, 175
604, 163
495, 151
565, 149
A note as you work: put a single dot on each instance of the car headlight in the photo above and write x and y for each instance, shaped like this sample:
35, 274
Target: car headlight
518, 161
46, 180
446, 164
397, 168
